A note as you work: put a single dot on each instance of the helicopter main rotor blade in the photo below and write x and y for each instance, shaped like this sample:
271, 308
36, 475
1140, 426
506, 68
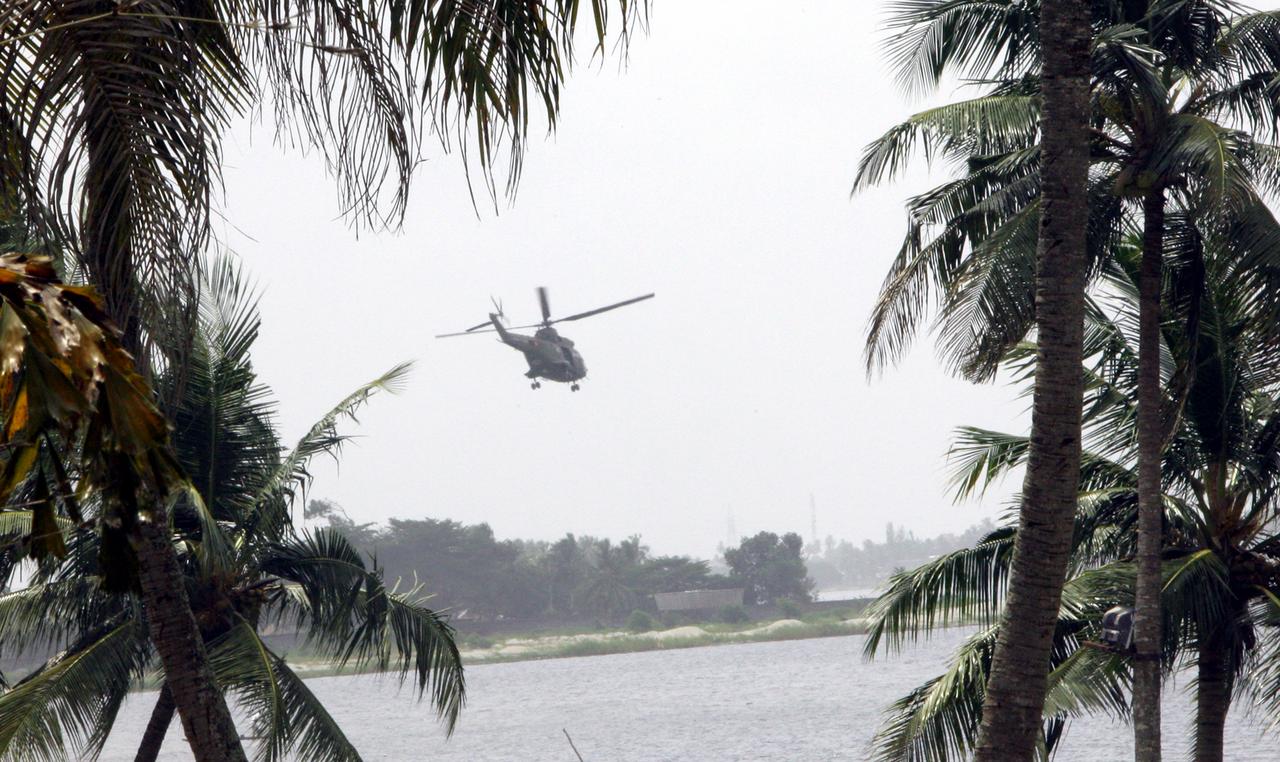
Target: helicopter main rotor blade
598, 310
545, 303
468, 332
487, 326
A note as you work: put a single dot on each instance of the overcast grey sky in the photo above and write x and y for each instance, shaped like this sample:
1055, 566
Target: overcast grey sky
715, 170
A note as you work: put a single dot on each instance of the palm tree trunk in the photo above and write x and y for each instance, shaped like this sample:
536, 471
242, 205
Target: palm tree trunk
200, 703
174, 633
1147, 616
1014, 702
157, 727
1213, 699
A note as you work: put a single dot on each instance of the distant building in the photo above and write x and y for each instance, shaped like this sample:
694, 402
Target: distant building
693, 600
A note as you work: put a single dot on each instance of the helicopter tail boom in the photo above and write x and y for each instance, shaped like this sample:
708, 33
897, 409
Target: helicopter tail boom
496, 319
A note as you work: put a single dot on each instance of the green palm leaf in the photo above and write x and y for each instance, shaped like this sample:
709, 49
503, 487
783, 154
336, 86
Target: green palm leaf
286, 717
53, 614
977, 37
961, 587
348, 614
222, 413
983, 126
938, 720
61, 706
323, 436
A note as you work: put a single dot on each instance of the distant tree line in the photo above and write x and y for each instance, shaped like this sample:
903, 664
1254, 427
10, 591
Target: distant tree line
472, 573
834, 564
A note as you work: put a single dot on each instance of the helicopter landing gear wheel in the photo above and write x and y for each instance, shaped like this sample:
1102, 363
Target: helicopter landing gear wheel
574, 387
535, 385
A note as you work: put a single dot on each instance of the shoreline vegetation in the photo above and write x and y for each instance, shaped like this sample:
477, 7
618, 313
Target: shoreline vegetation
478, 650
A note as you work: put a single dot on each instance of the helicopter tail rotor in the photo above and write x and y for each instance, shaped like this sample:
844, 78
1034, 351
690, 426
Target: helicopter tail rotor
497, 310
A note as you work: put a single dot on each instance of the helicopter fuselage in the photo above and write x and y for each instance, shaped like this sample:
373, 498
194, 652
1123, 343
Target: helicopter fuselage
550, 355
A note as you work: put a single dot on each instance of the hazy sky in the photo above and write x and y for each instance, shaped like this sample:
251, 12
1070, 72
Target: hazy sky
715, 170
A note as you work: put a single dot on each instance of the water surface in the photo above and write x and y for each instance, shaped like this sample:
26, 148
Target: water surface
792, 700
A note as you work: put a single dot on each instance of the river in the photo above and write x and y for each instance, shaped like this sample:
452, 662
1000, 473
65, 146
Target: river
790, 700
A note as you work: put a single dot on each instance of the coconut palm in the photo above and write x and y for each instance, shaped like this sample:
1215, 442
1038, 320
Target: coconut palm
245, 567
1221, 560
120, 111
111, 119
1171, 83
930, 44
612, 587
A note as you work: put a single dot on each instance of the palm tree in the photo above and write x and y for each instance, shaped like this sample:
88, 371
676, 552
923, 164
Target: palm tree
1162, 74
931, 44
612, 588
1015, 689
246, 567
1221, 559
111, 119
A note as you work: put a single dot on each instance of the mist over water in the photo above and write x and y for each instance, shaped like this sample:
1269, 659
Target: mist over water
792, 700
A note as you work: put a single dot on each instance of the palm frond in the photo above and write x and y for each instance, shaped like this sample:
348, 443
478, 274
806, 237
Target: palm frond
964, 586
973, 38
1089, 681
119, 114
286, 717
60, 706
347, 613
990, 305
1249, 44
1209, 156
488, 66
984, 126
53, 614
223, 415
1197, 593
916, 277
315, 732
291, 476
938, 721
980, 456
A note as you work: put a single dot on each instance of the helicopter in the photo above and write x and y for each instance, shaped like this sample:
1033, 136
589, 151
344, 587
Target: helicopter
550, 355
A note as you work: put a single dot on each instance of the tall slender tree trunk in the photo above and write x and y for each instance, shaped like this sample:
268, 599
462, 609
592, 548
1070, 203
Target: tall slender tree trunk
1147, 619
157, 727
205, 718
1213, 699
1014, 703
174, 633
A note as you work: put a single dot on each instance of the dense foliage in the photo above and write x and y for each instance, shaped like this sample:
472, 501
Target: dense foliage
474, 574
770, 567
1183, 114
1221, 556
244, 564
112, 117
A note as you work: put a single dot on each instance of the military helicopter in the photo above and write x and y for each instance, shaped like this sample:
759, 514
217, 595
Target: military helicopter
550, 355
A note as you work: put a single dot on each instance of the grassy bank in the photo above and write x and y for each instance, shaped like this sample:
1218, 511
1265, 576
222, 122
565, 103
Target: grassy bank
582, 642
688, 636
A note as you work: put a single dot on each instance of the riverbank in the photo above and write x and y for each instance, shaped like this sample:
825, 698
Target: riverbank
687, 636
596, 643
